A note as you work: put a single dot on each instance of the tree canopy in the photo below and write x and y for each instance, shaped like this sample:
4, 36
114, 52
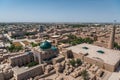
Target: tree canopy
14, 48
74, 40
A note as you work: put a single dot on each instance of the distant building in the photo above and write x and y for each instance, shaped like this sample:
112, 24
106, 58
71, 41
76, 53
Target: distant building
41, 29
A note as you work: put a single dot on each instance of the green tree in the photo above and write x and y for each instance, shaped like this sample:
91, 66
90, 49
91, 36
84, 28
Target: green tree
34, 44
116, 46
72, 62
74, 40
32, 64
14, 48
85, 75
79, 62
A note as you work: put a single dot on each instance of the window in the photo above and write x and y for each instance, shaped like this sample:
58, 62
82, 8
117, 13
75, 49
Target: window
85, 54
100, 51
85, 48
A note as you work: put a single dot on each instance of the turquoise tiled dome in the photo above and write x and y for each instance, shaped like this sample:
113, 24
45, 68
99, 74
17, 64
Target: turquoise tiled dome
53, 48
45, 45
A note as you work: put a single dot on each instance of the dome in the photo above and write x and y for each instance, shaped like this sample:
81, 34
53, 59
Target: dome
54, 48
45, 45
28, 53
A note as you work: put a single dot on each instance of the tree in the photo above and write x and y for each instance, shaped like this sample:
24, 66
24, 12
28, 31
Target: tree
79, 62
72, 62
85, 75
34, 44
117, 46
14, 48
74, 40
32, 64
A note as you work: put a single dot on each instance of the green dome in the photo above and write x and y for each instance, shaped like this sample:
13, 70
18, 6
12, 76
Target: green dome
45, 45
54, 48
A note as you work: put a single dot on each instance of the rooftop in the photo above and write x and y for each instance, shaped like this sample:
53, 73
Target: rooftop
23, 69
109, 56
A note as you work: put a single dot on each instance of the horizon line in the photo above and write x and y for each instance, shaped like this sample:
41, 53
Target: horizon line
55, 22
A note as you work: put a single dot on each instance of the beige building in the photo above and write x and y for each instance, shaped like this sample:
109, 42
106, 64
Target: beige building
45, 52
6, 72
25, 73
105, 58
1, 76
22, 59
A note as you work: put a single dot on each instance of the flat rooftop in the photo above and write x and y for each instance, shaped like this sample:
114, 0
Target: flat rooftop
115, 76
108, 56
20, 70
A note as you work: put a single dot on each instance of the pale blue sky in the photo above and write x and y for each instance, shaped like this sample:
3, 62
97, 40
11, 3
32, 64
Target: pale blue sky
59, 10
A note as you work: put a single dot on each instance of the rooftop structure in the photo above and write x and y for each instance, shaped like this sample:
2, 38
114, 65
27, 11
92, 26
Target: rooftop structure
45, 52
25, 72
106, 55
45, 45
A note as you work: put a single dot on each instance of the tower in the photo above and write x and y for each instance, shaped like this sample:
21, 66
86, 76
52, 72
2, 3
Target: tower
41, 29
112, 38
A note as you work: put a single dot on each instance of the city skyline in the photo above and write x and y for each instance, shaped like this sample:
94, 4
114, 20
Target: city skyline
59, 11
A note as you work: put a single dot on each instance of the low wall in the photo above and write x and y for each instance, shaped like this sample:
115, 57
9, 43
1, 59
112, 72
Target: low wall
101, 64
80, 56
1, 76
31, 72
109, 67
58, 59
46, 75
92, 61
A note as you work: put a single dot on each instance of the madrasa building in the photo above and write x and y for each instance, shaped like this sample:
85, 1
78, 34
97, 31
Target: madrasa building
43, 53
106, 58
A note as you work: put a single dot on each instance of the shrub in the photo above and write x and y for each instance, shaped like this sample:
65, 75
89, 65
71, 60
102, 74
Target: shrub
34, 44
72, 62
85, 75
74, 40
14, 48
79, 62
32, 64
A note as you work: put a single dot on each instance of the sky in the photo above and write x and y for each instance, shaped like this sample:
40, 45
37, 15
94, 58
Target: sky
59, 10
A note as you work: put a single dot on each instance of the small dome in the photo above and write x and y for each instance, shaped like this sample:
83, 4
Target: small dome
53, 48
28, 53
45, 45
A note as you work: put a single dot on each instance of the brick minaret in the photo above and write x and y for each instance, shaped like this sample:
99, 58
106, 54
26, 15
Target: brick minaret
112, 38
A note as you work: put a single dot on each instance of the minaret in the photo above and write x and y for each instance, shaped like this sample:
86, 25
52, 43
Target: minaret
112, 38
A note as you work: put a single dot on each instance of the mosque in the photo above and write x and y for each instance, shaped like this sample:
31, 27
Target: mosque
45, 52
